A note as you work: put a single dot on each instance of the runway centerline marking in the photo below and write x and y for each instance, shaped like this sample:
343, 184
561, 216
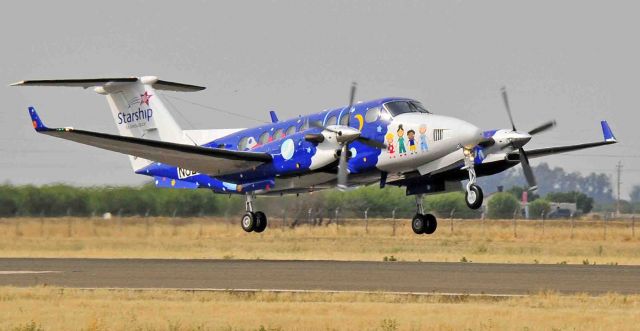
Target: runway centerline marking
27, 272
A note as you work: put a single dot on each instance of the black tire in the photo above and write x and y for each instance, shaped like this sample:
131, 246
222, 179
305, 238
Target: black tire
476, 193
248, 222
261, 222
418, 224
431, 224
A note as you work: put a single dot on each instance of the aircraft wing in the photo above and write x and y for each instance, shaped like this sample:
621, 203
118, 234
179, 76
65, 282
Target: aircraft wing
211, 161
609, 138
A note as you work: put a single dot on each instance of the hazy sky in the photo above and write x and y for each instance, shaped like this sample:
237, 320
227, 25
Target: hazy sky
573, 61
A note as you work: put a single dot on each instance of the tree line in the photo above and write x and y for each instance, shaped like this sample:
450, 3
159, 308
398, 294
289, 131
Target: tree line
147, 200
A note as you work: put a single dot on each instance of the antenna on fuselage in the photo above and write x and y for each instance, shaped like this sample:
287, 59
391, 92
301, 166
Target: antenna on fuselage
274, 117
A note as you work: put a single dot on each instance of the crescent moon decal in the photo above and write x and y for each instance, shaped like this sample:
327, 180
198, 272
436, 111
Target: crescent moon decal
360, 120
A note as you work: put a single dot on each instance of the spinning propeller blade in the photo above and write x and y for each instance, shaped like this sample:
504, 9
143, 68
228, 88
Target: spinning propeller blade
506, 105
542, 128
524, 160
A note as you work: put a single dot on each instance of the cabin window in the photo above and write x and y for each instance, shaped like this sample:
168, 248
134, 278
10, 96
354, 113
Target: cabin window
372, 115
291, 130
305, 125
332, 121
344, 120
242, 144
315, 124
278, 134
264, 138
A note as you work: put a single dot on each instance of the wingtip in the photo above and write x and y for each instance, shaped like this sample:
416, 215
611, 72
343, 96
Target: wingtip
17, 83
607, 133
38, 125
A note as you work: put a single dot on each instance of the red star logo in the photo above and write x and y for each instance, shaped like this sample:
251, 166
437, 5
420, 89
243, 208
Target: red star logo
144, 98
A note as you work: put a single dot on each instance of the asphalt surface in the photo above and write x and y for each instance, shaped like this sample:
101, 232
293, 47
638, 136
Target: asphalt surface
417, 277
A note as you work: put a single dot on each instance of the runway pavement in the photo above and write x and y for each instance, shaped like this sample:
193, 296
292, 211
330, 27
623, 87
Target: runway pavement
418, 277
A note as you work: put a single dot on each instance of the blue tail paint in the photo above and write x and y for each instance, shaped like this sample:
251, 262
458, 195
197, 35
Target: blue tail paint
35, 120
606, 131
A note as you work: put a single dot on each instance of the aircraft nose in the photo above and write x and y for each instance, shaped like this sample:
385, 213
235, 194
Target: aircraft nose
470, 135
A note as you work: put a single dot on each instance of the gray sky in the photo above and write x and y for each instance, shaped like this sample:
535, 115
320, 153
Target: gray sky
573, 61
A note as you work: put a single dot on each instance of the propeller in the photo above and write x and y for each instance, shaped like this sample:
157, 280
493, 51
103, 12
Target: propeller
517, 143
344, 136
343, 166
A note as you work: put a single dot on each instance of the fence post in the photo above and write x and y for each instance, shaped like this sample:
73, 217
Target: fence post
17, 231
572, 225
515, 225
453, 211
393, 217
604, 225
309, 220
633, 226
542, 217
337, 213
366, 220
284, 219
515, 231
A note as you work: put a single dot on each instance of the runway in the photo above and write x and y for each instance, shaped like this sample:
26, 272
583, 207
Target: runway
414, 277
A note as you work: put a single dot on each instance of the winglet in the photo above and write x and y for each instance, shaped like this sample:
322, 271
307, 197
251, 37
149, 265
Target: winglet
606, 132
274, 117
36, 121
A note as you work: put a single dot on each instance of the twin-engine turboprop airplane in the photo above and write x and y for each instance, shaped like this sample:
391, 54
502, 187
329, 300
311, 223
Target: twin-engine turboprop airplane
390, 141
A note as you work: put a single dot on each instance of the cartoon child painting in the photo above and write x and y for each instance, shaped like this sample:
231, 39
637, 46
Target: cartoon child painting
391, 149
401, 148
423, 138
411, 135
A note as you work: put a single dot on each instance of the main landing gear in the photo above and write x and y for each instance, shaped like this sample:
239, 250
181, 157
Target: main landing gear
253, 221
423, 223
473, 195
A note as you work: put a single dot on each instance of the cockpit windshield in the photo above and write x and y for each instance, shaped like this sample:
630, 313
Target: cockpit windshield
396, 108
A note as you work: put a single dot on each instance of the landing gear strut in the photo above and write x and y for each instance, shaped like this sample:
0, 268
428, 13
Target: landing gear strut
253, 221
473, 195
423, 223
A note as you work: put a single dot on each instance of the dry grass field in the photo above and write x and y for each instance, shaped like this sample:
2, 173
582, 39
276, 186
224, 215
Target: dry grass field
468, 240
71, 309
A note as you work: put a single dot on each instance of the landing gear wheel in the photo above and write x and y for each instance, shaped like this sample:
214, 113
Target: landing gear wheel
261, 222
248, 222
431, 224
473, 196
418, 224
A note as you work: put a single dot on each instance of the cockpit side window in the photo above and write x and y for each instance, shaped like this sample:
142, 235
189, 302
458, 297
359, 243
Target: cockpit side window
372, 114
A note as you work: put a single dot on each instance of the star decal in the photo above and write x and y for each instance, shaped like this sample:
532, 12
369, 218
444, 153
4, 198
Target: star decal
308, 149
144, 98
379, 129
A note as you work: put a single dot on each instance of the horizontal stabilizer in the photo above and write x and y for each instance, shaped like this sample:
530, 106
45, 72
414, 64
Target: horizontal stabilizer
609, 138
92, 82
211, 161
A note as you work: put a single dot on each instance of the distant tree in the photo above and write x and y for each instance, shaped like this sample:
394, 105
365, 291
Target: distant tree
502, 205
537, 207
597, 186
635, 194
443, 204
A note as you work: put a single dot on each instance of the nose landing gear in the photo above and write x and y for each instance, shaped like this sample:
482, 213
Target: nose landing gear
253, 221
473, 195
423, 223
